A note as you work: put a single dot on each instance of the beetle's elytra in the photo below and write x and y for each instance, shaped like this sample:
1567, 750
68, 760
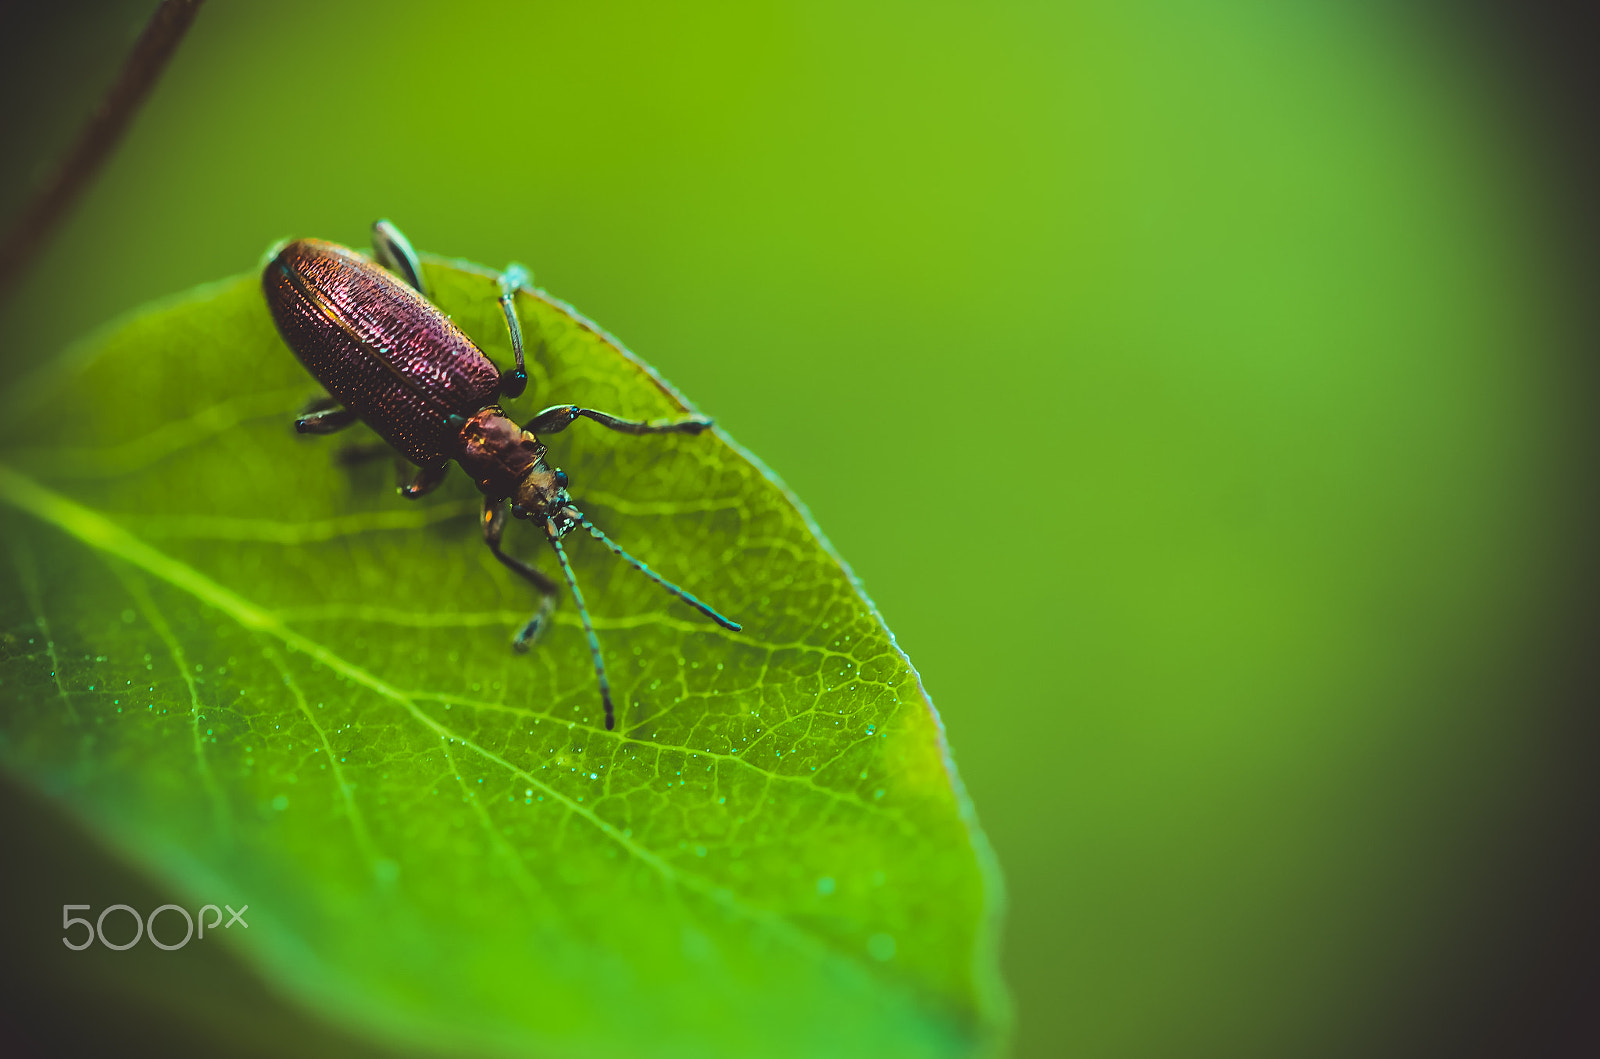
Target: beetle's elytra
388, 357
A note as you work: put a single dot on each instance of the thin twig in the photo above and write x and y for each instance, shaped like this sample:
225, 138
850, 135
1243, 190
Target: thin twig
97, 140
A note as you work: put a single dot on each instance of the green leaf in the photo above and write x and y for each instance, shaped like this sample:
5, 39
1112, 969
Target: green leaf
259, 676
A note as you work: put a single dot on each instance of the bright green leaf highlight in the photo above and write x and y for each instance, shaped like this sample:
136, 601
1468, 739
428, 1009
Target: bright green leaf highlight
264, 678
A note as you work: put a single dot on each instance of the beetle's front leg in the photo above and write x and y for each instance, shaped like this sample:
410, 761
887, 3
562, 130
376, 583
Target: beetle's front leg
557, 418
494, 523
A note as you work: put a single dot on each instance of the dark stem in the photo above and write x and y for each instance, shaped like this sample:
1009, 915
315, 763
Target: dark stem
97, 140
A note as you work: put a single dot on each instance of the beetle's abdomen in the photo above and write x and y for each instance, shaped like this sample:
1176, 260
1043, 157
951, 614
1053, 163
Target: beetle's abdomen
379, 347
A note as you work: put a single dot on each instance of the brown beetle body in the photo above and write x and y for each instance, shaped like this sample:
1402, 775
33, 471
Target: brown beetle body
386, 354
380, 348
389, 357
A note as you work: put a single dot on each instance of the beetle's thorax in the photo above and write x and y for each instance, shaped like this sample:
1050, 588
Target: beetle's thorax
498, 454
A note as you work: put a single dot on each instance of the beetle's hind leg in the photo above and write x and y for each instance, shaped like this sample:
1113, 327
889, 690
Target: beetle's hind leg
494, 524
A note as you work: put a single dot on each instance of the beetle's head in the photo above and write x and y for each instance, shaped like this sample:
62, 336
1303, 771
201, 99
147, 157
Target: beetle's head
542, 494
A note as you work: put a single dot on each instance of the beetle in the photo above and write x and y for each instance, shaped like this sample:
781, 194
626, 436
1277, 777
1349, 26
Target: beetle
389, 357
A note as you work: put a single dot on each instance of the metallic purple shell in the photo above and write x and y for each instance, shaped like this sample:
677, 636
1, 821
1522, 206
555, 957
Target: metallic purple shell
380, 348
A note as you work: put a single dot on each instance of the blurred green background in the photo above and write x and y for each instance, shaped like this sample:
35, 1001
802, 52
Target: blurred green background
1192, 386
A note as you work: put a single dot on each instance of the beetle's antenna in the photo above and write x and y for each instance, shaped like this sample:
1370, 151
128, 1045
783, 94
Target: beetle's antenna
588, 627
594, 531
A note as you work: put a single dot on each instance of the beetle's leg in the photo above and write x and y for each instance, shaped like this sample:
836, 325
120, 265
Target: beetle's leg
325, 421
425, 481
557, 418
394, 253
513, 382
494, 523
